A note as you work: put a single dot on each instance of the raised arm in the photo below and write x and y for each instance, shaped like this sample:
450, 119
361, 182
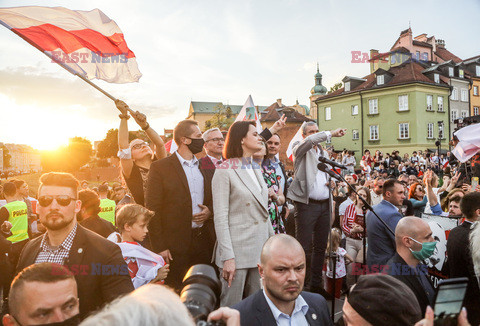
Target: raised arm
141, 120
125, 155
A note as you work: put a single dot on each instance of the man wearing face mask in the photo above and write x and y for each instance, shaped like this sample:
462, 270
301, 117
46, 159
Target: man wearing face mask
414, 241
179, 192
43, 294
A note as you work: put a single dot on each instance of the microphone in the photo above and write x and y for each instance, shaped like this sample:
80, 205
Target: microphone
324, 168
332, 163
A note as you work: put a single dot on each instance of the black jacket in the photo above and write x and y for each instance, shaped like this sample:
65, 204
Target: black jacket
254, 310
98, 225
98, 266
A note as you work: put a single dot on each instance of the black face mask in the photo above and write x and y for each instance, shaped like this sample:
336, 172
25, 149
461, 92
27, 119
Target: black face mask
196, 145
72, 321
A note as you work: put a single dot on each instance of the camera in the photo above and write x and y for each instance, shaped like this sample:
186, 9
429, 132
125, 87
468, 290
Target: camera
201, 293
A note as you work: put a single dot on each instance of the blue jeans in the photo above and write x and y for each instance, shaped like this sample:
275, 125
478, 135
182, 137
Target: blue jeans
312, 226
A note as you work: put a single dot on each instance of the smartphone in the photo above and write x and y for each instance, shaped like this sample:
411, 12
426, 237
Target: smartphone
449, 300
474, 183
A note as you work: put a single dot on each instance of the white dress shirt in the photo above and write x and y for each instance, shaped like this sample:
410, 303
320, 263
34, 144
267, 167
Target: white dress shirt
195, 184
298, 315
320, 190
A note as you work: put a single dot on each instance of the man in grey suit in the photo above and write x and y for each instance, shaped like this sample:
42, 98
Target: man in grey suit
311, 196
381, 241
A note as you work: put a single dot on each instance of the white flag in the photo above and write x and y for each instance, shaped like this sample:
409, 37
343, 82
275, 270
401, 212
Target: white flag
249, 112
298, 137
469, 142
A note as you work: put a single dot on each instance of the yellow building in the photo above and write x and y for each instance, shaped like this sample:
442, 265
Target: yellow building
472, 66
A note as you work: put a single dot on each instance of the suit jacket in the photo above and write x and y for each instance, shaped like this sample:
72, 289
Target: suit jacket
460, 264
168, 195
381, 242
305, 164
395, 265
88, 250
242, 222
255, 310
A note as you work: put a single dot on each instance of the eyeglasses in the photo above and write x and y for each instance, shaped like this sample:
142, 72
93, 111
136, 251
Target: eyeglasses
140, 145
217, 140
62, 200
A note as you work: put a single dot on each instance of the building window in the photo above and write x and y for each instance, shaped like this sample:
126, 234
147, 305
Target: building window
475, 90
475, 110
347, 87
403, 103
403, 131
464, 95
450, 71
425, 56
460, 73
354, 109
454, 114
429, 130
455, 94
355, 134
380, 79
417, 55
429, 102
328, 113
440, 103
440, 130
464, 114
373, 106
477, 70
436, 78
374, 135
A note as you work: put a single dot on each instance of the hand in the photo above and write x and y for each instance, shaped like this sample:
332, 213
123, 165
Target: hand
163, 272
230, 316
427, 179
340, 132
140, 118
166, 255
272, 194
122, 106
477, 188
455, 178
6, 226
279, 124
430, 316
201, 217
228, 271
466, 187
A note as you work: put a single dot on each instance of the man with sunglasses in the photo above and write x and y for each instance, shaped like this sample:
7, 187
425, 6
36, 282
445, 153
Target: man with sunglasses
377, 192
98, 264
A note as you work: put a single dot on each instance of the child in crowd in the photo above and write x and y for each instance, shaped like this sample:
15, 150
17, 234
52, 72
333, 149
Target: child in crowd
340, 269
144, 266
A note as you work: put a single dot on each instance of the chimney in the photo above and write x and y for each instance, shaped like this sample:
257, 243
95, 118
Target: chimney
440, 43
279, 102
373, 53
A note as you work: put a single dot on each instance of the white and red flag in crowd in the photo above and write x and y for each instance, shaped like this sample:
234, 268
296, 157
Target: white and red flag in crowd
469, 142
171, 146
298, 137
86, 43
249, 112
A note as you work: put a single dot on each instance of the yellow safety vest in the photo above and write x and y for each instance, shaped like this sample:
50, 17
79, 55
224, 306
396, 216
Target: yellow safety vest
18, 216
107, 210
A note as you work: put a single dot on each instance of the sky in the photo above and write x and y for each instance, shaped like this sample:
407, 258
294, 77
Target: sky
212, 51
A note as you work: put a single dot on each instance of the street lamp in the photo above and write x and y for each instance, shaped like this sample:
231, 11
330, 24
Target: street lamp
438, 143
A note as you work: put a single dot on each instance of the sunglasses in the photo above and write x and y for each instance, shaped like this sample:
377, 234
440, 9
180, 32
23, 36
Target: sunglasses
140, 145
62, 200
217, 140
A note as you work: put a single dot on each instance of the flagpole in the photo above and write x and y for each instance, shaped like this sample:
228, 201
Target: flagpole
61, 64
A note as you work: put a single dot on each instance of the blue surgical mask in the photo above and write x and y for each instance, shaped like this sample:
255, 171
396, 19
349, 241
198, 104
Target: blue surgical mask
428, 248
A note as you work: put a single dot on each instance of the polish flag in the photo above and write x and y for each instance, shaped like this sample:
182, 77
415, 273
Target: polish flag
297, 138
171, 146
86, 43
249, 112
469, 142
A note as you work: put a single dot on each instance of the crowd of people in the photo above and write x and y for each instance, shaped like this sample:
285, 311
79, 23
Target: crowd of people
279, 241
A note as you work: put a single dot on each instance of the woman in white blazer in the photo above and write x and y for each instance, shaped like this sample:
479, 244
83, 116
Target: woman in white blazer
242, 224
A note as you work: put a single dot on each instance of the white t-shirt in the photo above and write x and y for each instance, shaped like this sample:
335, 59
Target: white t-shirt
340, 269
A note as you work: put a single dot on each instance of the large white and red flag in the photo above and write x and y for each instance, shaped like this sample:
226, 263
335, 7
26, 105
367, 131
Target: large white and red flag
297, 138
87, 43
469, 142
249, 112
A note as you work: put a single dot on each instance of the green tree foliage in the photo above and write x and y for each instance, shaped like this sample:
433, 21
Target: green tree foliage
335, 87
68, 158
109, 146
222, 118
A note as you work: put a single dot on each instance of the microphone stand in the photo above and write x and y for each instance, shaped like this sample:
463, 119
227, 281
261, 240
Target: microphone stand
324, 168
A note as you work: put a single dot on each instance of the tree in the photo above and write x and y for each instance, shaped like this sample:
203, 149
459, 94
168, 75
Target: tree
335, 87
68, 158
222, 118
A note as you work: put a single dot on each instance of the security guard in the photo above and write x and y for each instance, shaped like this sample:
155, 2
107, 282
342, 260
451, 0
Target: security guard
107, 206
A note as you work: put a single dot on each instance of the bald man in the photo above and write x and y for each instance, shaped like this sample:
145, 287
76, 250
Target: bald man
414, 241
282, 302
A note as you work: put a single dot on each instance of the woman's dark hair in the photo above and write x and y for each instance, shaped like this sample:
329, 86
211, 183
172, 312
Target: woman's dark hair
233, 142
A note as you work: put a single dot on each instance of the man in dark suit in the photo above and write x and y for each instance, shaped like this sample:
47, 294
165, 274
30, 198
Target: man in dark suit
411, 236
214, 143
88, 215
98, 264
282, 269
460, 260
381, 240
180, 194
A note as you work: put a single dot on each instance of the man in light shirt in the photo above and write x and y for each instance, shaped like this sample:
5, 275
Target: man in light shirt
377, 192
282, 301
